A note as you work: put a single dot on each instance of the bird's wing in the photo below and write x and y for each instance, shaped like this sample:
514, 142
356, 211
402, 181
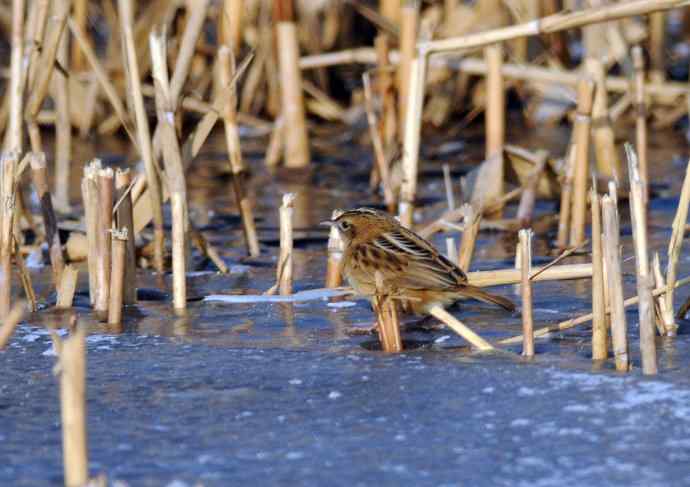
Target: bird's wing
423, 267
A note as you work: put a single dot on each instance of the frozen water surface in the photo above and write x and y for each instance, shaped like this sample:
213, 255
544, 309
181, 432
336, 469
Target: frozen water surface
280, 393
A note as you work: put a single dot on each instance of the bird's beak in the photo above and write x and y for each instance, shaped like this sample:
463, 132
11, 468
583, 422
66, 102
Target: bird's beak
327, 223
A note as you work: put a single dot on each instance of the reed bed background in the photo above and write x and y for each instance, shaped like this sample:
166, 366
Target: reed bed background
164, 74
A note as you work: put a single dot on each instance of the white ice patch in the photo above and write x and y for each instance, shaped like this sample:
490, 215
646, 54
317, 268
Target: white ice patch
342, 304
334, 395
310, 295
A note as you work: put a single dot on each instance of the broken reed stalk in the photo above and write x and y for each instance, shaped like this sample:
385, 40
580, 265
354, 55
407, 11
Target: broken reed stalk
39, 175
471, 222
581, 172
124, 218
72, 369
599, 321
638, 212
67, 287
410, 159
525, 236
296, 139
336, 247
143, 132
377, 142
641, 117
174, 170
619, 327
528, 199
10, 323
607, 160
284, 271
386, 309
104, 222
8, 166
117, 276
566, 199
409, 17
15, 88
460, 328
661, 318
226, 71
89, 190
579, 320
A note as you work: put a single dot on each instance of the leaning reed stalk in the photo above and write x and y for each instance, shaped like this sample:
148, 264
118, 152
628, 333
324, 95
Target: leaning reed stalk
8, 166
581, 172
638, 212
225, 72
143, 132
619, 328
460, 328
72, 370
513, 276
124, 219
471, 222
641, 117
39, 174
296, 141
599, 327
104, 222
174, 171
336, 247
117, 276
15, 89
526, 292
409, 17
10, 322
285, 264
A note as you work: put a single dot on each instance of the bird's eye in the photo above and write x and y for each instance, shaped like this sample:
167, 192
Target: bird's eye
344, 225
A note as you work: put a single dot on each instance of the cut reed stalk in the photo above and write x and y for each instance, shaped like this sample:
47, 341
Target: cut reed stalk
599, 325
284, 271
619, 327
174, 170
472, 221
89, 189
607, 160
296, 142
8, 166
581, 170
638, 212
39, 174
409, 17
124, 219
641, 117
143, 132
336, 247
460, 328
526, 292
72, 370
117, 279
67, 287
226, 71
104, 222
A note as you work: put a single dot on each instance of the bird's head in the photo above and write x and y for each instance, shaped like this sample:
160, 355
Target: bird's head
357, 223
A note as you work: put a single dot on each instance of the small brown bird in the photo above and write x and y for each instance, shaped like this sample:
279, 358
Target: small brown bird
409, 267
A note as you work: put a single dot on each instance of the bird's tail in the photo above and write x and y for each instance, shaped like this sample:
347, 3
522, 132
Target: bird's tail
475, 292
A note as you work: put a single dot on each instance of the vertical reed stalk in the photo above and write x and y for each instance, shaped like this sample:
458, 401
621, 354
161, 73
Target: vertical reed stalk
409, 17
173, 169
67, 287
645, 284
336, 247
566, 199
615, 283
471, 222
143, 132
657, 46
80, 15
390, 9
385, 88
284, 270
599, 328
104, 222
72, 367
641, 117
451, 250
585, 88
117, 279
15, 89
8, 166
39, 173
528, 199
226, 72
89, 191
526, 292
296, 141
607, 160
63, 125
124, 219
230, 24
